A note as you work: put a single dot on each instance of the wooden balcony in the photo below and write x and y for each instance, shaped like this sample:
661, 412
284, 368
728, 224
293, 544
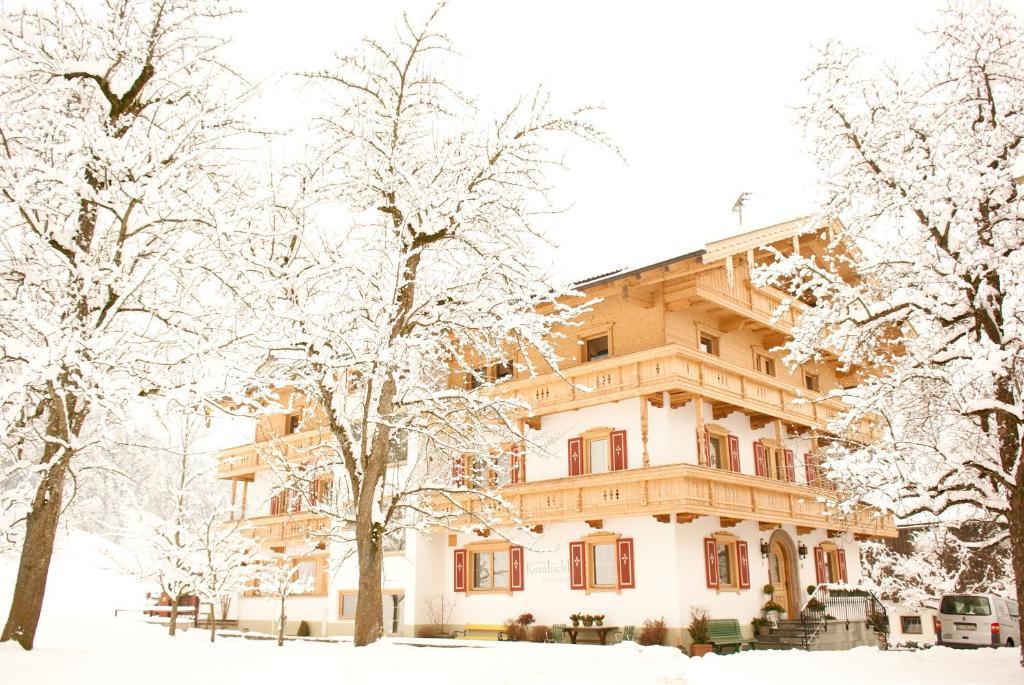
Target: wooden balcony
739, 297
284, 528
242, 462
681, 492
683, 372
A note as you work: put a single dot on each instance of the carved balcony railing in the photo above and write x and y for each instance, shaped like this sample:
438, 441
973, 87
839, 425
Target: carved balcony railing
246, 459
675, 368
284, 528
682, 492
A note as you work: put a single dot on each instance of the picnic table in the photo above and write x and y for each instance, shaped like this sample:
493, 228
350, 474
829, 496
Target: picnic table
600, 631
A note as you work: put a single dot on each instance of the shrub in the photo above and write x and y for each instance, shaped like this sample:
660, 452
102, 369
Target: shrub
700, 620
303, 630
538, 633
525, 619
516, 628
652, 632
769, 589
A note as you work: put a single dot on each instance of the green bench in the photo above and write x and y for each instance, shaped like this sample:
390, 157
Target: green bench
724, 633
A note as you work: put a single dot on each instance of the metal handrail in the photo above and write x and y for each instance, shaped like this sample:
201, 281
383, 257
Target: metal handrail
838, 601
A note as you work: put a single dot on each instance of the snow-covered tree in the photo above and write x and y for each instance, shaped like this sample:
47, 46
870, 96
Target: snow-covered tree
114, 180
921, 292
221, 570
937, 563
280, 579
400, 324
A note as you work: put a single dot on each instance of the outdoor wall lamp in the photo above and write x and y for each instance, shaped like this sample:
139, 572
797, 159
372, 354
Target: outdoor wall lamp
764, 549
802, 551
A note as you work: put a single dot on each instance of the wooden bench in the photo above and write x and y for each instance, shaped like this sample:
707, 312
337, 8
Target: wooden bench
724, 633
481, 631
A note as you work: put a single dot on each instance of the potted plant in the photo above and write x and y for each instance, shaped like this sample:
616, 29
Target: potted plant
698, 629
761, 626
814, 604
575, 618
769, 589
772, 611
587, 619
599, 619
811, 589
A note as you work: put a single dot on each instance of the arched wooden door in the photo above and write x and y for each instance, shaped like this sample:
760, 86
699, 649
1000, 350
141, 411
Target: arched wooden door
782, 577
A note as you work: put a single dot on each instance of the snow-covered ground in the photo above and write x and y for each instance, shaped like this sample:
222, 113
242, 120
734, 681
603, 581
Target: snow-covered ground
81, 642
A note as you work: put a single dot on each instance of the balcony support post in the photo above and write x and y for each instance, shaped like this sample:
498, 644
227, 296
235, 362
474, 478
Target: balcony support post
698, 414
643, 431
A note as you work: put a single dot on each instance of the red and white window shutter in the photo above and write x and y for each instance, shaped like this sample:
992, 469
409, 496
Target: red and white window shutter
819, 565
841, 554
711, 562
811, 467
577, 566
790, 470
619, 457
627, 579
459, 470
744, 562
515, 555
760, 465
575, 456
460, 570
734, 453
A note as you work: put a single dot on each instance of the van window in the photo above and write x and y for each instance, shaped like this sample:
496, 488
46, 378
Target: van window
1014, 608
965, 605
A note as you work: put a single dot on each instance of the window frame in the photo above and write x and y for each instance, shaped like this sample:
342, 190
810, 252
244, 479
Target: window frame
591, 541
762, 362
489, 548
729, 542
808, 375
716, 432
584, 343
341, 604
830, 557
293, 423
715, 340
592, 435
319, 574
903, 625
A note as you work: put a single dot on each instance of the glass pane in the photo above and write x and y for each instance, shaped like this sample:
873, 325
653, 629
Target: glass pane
965, 605
715, 458
348, 605
605, 572
482, 570
597, 348
305, 574
500, 569
773, 569
724, 568
598, 456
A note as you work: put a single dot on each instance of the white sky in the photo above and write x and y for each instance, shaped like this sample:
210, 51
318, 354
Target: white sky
698, 96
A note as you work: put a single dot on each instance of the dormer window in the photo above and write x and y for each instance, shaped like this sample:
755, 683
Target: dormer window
596, 348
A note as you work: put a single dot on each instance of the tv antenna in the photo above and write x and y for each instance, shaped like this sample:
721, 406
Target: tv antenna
740, 203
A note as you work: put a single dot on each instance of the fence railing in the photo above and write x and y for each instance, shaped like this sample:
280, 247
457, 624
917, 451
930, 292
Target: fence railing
839, 602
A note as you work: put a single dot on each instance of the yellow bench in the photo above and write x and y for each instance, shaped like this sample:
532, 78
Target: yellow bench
481, 631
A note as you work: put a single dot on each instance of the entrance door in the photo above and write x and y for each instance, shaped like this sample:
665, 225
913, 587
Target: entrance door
781, 578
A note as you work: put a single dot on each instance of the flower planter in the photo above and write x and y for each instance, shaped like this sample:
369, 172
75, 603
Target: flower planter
698, 649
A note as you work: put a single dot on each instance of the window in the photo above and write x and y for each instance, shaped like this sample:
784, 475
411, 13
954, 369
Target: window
595, 349
394, 541
293, 424
965, 605
832, 570
811, 382
717, 456
708, 344
347, 605
764, 364
399, 446
597, 455
602, 561
910, 625
490, 570
503, 371
310, 574
728, 573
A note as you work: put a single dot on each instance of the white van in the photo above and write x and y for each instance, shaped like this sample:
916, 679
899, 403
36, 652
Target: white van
977, 621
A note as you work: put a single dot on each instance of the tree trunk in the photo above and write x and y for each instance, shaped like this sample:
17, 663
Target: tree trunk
280, 624
173, 624
36, 552
369, 609
213, 622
